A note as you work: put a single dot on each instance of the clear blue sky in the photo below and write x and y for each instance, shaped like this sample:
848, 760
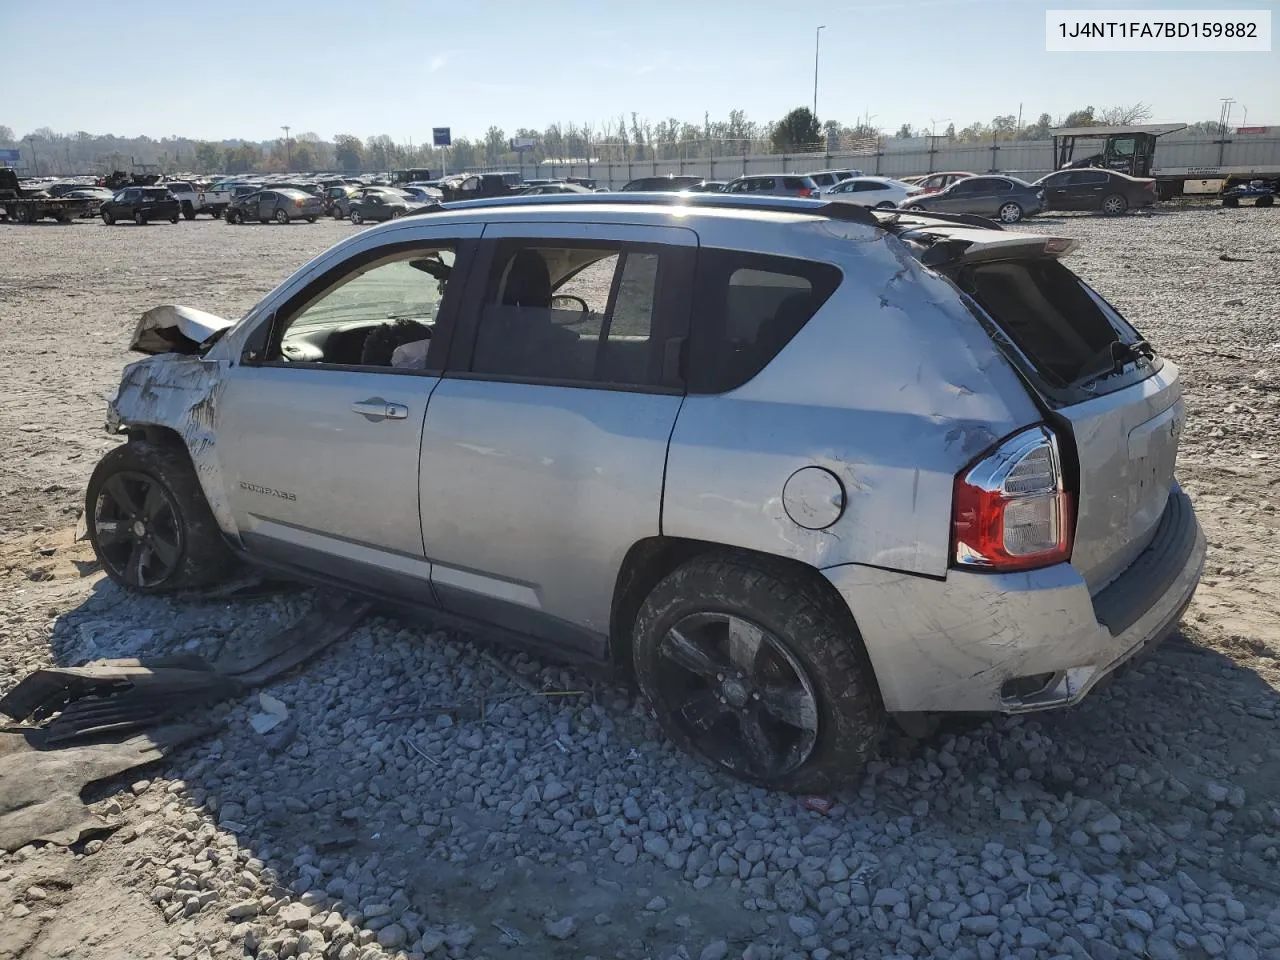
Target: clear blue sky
241, 69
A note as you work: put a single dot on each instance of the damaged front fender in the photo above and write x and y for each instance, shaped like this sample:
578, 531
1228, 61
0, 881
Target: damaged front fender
178, 393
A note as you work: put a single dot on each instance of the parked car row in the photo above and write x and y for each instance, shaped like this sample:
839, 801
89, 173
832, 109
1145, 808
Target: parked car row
1005, 198
284, 198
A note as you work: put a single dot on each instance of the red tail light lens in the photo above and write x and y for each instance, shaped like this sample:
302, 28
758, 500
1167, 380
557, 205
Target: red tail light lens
1010, 511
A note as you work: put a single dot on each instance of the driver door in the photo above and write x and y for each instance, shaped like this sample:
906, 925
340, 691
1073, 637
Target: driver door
320, 435
266, 205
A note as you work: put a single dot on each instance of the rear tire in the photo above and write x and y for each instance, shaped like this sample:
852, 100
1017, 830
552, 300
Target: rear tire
357, 217
140, 218
1231, 201
149, 523
282, 216
173, 219
1265, 202
798, 653
188, 210
311, 219
1010, 212
107, 218
23, 214
1114, 205
337, 214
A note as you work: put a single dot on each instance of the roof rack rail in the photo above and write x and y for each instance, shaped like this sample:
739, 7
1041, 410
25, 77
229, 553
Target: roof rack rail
715, 201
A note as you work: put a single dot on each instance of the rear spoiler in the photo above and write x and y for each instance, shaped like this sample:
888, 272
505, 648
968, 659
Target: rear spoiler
950, 246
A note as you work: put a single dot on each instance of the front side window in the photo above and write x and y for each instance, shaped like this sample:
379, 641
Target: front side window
380, 314
582, 314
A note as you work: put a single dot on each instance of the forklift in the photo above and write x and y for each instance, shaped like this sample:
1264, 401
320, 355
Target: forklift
1128, 150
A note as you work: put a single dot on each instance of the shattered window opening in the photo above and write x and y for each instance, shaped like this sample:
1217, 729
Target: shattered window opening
379, 315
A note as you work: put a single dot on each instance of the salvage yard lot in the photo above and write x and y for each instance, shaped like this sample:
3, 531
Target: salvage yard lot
1145, 822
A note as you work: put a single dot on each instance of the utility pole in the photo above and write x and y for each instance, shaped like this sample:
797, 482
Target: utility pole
817, 38
933, 125
35, 161
1224, 117
288, 147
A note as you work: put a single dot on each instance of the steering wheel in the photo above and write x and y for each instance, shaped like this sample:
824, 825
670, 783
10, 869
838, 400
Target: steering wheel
582, 304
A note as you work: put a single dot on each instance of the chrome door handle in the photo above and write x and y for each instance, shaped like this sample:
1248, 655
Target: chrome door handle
375, 408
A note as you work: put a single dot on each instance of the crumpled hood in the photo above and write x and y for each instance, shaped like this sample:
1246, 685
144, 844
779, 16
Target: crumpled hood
173, 328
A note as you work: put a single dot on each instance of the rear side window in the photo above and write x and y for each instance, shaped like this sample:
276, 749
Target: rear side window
793, 183
747, 307
1063, 328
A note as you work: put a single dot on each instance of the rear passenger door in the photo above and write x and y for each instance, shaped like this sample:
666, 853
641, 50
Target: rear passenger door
1087, 188
545, 445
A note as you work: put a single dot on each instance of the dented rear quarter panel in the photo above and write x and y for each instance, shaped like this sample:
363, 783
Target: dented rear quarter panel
892, 386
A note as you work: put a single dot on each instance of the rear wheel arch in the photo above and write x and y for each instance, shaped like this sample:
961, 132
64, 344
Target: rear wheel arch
651, 560
819, 667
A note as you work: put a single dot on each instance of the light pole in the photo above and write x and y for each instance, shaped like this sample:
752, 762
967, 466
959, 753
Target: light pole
1224, 117
288, 147
933, 125
817, 38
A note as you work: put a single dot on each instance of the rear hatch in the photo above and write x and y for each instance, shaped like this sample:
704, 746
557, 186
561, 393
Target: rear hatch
1099, 383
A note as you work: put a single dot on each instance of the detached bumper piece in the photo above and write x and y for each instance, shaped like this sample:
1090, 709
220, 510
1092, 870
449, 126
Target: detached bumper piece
81, 714
112, 696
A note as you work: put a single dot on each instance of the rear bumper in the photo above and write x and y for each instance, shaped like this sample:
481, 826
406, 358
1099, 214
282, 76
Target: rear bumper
1017, 642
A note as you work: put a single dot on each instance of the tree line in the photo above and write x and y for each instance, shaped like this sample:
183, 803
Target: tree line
622, 139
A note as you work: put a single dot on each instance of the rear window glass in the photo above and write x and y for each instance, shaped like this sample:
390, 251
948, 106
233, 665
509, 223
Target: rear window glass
1060, 324
156, 193
747, 308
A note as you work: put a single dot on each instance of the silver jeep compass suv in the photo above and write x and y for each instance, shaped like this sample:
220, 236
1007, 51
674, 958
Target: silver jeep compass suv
797, 465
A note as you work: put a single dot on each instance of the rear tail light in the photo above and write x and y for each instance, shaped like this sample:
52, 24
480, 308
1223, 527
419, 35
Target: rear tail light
298, 203
1009, 510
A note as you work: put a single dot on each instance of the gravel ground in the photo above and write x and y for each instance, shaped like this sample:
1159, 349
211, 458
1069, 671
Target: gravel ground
375, 823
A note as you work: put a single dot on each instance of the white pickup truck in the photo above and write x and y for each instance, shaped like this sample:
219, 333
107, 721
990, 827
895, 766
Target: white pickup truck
214, 201
187, 195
